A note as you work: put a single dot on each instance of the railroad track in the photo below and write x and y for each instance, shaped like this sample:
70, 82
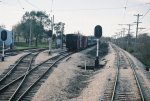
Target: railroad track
29, 80
125, 86
22, 66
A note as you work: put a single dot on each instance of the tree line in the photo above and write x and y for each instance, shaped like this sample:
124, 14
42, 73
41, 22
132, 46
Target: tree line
33, 28
139, 46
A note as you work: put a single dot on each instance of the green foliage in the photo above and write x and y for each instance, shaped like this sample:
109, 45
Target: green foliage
33, 26
142, 49
130, 50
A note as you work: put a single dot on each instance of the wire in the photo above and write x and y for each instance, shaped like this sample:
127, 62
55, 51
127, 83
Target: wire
126, 4
34, 6
94, 9
146, 30
52, 6
125, 8
20, 4
145, 14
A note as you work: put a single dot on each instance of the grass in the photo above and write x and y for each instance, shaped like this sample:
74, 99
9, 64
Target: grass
26, 46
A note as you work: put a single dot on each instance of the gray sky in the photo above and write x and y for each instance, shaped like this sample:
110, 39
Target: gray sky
81, 15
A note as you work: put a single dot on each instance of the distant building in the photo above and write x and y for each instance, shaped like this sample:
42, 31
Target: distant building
58, 42
9, 40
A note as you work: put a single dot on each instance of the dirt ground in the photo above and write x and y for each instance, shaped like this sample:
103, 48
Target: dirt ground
9, 61
71, 82
43, 56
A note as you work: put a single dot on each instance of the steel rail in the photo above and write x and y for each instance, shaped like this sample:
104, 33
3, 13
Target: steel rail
24, 76
16, 64
12, 98
21, 78
116, 79
135, 75
19, 99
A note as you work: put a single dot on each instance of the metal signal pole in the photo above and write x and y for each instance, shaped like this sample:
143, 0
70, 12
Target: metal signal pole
50, 38
3, 54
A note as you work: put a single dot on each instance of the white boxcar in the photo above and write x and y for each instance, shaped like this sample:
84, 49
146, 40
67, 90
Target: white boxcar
9, 39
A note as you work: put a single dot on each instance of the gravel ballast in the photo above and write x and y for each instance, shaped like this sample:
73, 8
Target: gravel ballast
69, 82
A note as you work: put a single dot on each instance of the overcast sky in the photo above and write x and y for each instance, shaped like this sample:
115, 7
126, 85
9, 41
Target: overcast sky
81, 15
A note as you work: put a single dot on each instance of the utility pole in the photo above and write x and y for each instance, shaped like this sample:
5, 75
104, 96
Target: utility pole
62, 32
116, 38
129, 28
30, 37
50, 38
137, 27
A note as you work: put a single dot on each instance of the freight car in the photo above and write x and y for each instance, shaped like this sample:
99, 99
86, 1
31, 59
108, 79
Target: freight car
91, 41
72, 42
76, 42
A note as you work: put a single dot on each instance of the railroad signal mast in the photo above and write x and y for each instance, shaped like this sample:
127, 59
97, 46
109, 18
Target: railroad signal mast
50, 34
3, 37
97, 34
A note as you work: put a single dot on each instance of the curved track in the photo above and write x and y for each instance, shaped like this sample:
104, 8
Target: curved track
17, 72
23, 85
125, 86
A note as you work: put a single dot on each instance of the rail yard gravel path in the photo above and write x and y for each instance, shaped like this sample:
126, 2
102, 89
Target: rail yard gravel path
43, 56
64, 83
68, 82
52, 89
97, 85
9, 61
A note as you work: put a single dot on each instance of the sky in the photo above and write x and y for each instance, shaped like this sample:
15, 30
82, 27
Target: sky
82, 15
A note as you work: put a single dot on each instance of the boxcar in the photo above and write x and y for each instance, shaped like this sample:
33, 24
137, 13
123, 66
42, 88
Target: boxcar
83, 42
72, 42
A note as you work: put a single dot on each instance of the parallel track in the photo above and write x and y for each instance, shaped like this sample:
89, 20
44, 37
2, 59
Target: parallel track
17, 72
34, 76
29, 79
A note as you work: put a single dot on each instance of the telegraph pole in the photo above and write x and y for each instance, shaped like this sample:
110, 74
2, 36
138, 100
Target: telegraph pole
30, 36
129, 29
137, 26
51, 35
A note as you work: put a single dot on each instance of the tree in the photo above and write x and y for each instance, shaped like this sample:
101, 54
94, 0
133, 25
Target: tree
33, 26
2, 26
143, 48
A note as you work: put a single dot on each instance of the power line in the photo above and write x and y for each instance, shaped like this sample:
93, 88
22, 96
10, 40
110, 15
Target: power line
146, 12
52, 6
125, 8
34, 6
126, 4
147, 29
20, 4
